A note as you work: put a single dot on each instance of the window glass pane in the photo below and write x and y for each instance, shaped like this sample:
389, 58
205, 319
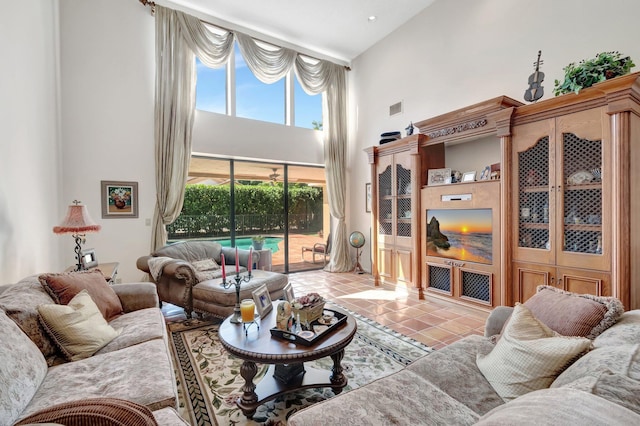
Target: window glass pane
211, 88
308, 108
257, 100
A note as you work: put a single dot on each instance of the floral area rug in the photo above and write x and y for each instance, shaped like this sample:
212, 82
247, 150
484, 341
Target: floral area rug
209, 378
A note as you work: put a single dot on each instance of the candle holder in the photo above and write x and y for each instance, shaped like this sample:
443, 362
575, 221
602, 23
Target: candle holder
239, 279
246, 325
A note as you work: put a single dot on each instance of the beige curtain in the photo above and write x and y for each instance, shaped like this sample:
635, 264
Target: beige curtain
179, 37
174, 111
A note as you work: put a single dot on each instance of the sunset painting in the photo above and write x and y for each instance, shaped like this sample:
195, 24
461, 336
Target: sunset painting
461, 234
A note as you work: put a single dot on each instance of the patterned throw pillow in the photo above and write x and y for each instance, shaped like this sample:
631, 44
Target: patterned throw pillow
64, 287
528, 356
94, 411
20, 302
573, 314
205, 265
78, 328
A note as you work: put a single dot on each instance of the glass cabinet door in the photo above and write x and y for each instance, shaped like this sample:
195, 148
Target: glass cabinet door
385, 202
533, 196
582, 194
403, 201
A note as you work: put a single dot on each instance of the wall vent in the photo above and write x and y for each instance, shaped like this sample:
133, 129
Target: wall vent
395, 108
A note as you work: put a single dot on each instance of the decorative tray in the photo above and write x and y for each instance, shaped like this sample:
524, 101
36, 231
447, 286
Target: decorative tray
319, 329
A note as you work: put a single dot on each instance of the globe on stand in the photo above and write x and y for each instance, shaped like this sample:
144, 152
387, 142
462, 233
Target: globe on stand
356, 239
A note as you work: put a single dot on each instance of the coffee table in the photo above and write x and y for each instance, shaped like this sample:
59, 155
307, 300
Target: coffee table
260, 347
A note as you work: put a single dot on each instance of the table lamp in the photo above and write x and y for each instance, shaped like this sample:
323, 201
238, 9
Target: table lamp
77, 223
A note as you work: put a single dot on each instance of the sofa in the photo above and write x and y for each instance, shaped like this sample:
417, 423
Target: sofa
188, 274
132, 369
598, 386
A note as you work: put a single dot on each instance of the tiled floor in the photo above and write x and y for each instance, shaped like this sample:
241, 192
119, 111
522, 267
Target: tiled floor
433, 322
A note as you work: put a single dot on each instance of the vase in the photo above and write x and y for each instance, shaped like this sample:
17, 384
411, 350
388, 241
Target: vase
257, 245
120, 204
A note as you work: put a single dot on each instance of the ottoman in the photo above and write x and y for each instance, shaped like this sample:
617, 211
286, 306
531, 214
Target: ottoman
210, 297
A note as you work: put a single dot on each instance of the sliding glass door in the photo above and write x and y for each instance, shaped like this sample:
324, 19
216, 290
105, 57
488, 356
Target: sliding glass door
233, 201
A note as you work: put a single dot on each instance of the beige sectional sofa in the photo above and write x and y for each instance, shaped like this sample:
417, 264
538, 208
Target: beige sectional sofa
135, 366
447, 387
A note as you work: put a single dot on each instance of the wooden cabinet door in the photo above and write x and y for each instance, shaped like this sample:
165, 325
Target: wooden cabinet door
584, 282
527, 277
533, 203
385, 263
385, 200
583, 190
404, 266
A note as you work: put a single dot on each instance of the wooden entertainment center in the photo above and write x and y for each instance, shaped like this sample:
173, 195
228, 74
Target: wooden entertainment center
564, 211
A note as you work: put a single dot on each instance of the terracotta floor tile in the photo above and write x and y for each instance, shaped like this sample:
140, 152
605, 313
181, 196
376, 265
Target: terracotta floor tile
432, 321
414, 324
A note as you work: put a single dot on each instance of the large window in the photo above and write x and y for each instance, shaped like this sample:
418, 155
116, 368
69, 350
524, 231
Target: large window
255, 99
211, 88
308, 108
251, 98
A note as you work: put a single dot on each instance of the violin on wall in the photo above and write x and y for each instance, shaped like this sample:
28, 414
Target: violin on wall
535, 90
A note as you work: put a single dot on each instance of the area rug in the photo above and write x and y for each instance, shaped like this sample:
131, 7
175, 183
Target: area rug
209, 378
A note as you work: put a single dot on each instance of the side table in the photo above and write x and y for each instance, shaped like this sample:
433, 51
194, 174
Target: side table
109, 270
258, 346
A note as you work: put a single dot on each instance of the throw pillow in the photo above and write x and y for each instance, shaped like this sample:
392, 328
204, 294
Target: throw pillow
528, 356
94, 411
78, 328
573, 314
205, 265
64, 287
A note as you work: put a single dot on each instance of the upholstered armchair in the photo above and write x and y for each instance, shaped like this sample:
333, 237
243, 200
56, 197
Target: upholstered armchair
175, 268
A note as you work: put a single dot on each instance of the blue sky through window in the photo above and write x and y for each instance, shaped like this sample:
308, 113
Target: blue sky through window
308, 108
254, 99
211, 88
257, 100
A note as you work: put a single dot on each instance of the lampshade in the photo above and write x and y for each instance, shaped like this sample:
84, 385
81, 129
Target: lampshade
77, 221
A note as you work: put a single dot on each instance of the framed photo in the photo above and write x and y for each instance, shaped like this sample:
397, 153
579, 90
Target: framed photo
367, 195
119, 199
469, 177
288, 293
263, 300
439, 176
88, 258
486, 173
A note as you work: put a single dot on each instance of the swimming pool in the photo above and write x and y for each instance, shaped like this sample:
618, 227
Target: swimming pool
245, 243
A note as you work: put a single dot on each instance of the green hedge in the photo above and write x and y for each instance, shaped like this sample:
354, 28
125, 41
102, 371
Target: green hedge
259, 209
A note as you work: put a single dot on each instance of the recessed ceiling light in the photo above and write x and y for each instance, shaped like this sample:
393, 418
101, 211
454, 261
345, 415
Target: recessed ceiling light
372, 18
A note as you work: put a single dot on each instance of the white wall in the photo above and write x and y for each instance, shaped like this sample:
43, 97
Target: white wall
29, 144
459, 52
108, 68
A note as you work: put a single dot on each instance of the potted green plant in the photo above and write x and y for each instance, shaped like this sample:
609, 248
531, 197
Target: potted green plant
588, 72
257, 241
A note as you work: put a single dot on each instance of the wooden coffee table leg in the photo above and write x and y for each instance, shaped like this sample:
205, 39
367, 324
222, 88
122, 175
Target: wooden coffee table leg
338, 379
248, 403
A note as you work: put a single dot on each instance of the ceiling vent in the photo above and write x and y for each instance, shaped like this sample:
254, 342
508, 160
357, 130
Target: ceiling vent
395, 108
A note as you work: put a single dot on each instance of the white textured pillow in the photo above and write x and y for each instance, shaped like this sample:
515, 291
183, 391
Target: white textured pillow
528, 356
79, 328
205, 265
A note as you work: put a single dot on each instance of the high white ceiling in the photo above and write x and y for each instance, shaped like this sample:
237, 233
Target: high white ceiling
338, 29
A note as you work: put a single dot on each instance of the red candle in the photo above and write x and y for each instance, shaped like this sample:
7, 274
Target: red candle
237, 262
224, 273
250, 258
